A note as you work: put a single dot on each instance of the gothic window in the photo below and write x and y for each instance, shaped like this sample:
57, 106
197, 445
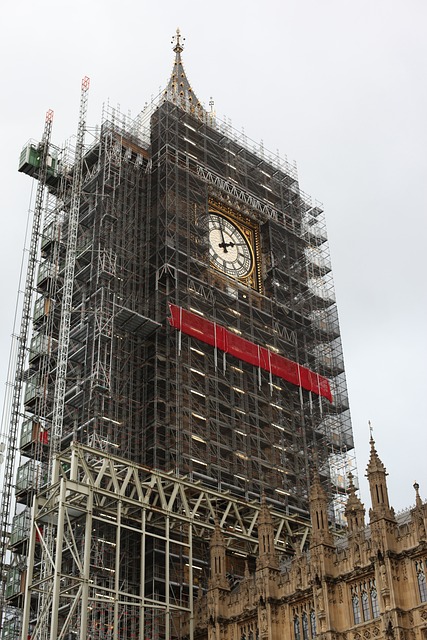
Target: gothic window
249, 631
356, 609
421, 578
305, 632
365, 607
374, 601
297, 632
304, 618
364, 601
313, 624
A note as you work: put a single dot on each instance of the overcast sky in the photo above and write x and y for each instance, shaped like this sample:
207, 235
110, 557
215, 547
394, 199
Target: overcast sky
337, 85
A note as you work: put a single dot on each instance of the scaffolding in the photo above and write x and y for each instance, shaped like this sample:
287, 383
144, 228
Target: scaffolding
106, 512
136, 391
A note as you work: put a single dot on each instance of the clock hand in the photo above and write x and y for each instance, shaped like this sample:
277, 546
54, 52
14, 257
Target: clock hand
223, 244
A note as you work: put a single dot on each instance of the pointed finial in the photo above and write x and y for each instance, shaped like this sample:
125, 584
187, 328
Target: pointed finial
354, 509
418, 500
179, 47
374, 463
178, 90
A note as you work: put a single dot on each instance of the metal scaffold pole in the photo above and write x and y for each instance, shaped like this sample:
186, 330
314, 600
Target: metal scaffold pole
11, 430
48, 623
70, 260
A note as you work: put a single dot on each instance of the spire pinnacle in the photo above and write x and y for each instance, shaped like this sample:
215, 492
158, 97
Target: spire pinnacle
218, 559
374, 463
178, 90
178, 48
354, 509
376, 474
418, 501
319, 513
266, 552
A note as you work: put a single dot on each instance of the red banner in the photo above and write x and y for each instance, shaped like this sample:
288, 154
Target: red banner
218, 336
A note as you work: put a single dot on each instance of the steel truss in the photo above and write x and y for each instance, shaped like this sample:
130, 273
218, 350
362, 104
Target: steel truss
113, 500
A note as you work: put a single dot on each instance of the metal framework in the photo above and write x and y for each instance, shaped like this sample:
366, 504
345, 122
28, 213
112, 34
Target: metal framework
15, 412
125, 236
68, 278
99, 500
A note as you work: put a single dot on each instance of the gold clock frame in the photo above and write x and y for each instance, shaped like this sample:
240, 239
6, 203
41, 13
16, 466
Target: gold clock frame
250, 230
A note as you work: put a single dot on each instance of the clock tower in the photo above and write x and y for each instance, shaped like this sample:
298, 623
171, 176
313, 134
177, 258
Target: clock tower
202, 369
244, 384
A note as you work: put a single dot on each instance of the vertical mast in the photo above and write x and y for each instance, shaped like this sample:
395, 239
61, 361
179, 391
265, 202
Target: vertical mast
47, 624
70, 260
11, 434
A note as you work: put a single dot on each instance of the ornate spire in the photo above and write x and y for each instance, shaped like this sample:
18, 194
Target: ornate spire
218, 576
319, 514
374, 464
266, 553
418, 501
178, 48
354, 510
419, 514
179, 90
376, 474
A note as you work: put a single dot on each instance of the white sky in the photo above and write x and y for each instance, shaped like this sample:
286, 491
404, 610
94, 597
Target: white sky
338, 85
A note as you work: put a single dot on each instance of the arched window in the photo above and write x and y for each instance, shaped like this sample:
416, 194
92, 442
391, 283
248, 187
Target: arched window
421, 577
297, 631
313, 624
305, 633
374, 603
356, 609
365, 607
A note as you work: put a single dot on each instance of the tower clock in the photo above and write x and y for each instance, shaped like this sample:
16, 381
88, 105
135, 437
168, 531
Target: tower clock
234, 246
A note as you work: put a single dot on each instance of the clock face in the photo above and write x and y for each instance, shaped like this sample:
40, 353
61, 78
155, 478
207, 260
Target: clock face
229, 250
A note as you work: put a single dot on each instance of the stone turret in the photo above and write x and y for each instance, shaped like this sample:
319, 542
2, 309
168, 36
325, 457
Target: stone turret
218, 584
218, 578
376, 474
381, 515
319, 515
419, 515
355, 515
267, 557
354, 510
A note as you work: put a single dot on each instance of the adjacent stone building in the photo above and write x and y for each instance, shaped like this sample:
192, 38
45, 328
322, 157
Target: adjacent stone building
368, 584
